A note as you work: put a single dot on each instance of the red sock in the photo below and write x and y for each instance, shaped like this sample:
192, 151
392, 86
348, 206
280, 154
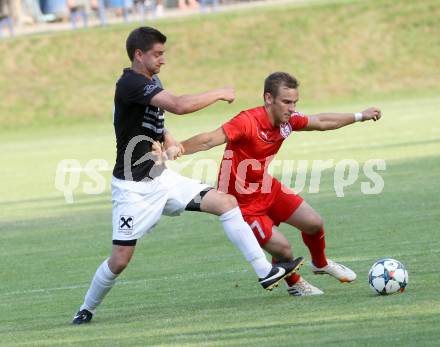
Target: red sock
316, 245
290, 280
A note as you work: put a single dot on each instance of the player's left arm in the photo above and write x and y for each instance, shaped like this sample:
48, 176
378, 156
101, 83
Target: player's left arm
331, 121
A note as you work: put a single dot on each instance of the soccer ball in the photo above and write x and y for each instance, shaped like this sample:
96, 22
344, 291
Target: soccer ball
387, 276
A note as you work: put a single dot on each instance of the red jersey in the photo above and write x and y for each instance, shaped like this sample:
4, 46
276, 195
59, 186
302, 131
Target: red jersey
252, 144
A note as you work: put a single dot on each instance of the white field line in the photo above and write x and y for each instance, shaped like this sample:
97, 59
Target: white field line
166, 278
121, 282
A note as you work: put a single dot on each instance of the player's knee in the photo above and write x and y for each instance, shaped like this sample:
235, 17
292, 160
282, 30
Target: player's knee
315, 225
286, 252
119, 265
229, 202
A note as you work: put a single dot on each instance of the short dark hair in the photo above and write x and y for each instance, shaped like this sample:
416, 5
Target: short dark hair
275, 80
143, 38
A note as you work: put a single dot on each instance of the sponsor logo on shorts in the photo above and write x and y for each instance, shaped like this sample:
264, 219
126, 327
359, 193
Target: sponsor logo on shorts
126, 224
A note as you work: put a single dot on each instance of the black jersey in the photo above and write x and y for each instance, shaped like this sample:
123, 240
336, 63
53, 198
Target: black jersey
136, 123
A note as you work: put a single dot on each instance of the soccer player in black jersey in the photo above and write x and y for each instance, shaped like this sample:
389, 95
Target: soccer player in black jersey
143, 188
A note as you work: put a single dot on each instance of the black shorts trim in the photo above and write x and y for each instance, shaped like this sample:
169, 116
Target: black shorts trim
124, 242
194, 204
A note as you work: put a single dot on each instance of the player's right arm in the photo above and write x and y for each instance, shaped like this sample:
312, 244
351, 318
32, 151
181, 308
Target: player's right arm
191, 103
204, 141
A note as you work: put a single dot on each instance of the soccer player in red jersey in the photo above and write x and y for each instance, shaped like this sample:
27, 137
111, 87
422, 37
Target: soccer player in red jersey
253, 138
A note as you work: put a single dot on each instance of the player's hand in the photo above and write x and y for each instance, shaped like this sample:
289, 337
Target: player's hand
158, 153
371, 113
227, 94
172, 148
175, 151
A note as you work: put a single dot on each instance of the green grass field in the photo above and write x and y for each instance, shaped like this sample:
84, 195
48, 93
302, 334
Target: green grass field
49, 249
209, 296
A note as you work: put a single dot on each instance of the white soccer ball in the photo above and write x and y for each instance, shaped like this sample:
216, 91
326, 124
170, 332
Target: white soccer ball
387, 276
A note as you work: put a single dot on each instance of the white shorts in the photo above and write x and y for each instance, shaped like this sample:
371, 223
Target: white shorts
138, 206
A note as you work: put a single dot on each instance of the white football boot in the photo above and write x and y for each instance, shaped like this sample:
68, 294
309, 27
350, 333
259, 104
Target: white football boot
303, 288
338, 271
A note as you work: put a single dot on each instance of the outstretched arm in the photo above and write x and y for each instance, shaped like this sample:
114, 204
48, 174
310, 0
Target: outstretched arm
331, 121
204, 141
191, 103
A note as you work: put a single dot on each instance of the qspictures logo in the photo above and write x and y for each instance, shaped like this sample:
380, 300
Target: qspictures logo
93, 177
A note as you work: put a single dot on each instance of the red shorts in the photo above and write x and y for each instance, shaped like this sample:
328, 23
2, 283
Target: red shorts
283, 206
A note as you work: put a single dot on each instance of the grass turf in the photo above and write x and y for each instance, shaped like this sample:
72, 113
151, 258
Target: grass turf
187, 286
